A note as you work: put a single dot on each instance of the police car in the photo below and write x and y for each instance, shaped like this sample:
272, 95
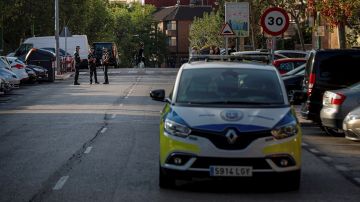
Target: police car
228, 120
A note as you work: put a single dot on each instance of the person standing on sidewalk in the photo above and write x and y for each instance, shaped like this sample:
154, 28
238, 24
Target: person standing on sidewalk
77, 65
92, 66
141, 57
105, 61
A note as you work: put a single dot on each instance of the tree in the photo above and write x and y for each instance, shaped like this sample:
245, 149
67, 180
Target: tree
337, 13
205, 31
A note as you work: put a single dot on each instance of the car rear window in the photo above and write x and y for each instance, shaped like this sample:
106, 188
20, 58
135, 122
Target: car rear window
339, 68
229, 86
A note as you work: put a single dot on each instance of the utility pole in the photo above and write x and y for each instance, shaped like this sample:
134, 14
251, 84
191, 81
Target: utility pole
57, 36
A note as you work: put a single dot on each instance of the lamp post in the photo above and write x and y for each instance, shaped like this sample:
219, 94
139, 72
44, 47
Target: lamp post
57, 36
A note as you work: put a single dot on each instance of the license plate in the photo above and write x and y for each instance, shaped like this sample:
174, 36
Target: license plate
231, 171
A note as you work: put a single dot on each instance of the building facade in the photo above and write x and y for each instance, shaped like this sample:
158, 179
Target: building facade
175, 22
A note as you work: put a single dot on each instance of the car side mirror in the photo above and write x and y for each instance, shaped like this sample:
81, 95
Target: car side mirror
158, 95
297, 97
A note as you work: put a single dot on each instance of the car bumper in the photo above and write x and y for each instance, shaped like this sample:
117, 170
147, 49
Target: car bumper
330, 117
352, 130
197, 157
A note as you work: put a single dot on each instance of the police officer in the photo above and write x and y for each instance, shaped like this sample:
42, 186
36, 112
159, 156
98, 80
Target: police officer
105, 61
92, 66
77, 65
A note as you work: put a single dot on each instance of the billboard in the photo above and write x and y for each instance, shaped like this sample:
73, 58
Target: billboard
237, 16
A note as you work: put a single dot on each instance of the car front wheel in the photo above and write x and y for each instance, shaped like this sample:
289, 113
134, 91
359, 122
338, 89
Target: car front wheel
165, 181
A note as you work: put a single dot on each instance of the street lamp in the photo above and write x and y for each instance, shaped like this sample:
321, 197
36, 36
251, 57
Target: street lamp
57, 36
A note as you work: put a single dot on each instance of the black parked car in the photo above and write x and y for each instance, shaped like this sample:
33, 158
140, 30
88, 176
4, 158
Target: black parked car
326, 70
41, 73
293, 79
43, 58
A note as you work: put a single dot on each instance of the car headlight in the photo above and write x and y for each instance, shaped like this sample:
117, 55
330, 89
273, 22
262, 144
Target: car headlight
285, 131
176, 129
351, 117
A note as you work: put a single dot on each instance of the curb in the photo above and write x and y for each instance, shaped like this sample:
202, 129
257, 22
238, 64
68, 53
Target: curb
64, 76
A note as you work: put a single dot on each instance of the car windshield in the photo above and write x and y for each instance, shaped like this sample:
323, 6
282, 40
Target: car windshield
229, 86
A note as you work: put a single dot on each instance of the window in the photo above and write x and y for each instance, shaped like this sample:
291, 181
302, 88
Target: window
171, 41
171, 25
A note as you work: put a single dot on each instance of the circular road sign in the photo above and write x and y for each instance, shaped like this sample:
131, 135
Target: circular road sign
275, 21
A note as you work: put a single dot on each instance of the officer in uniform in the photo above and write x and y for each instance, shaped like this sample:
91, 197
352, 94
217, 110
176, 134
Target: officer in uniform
92, 66
105, 61
77, 65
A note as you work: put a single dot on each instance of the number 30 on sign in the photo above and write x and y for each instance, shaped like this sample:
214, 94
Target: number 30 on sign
275, 21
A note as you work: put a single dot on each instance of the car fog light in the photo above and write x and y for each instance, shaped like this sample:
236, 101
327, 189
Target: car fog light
284, 163
178, 161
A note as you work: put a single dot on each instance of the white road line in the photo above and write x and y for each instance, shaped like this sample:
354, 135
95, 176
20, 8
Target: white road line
341, 168
60, 183
326, 158
103, 130
121, 104
132, 72
304, 144
113, 116
150, 72
315, 151
88, 150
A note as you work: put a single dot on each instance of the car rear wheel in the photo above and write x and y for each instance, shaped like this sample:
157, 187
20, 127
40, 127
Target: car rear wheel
165, 181
333, 131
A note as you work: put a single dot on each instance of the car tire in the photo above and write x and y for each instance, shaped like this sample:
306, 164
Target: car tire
332, 131
165, 181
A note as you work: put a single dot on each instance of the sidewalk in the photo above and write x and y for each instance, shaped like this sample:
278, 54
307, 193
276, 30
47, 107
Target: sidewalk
63, 76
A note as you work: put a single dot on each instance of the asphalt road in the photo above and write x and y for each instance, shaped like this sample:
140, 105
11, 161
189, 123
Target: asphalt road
60, 142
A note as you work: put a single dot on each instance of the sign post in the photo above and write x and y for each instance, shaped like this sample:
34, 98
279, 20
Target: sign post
226, 31
274, 21
237, 16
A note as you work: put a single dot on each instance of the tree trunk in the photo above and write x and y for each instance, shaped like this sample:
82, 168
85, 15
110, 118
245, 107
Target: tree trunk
342, 35
300, 34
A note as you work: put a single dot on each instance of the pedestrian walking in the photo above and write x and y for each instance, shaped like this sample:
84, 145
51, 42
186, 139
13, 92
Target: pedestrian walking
92, 66
105, 63
77, 65
141, 57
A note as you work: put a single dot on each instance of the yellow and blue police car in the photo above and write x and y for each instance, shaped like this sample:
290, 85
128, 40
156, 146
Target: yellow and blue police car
228, 120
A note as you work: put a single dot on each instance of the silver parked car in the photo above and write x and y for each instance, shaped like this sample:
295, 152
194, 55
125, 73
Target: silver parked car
336, 105
351, 125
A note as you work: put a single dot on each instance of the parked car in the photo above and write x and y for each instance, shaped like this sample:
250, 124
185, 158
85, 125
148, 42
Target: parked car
293, 80
43, 58
16, 66
336, 105
32, 75
49, 41
351, 125
326, 70
111, 47
67, 60
41, 73
10, 77
287, 64
292, 53
228, 120
4, 85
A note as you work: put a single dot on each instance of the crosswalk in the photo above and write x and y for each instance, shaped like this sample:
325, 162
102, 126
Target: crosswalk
134, 71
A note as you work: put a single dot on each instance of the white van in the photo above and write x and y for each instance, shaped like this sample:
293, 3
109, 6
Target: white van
49, 42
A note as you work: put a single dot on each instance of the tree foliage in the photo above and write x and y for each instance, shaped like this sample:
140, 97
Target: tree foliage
99, 20
205, 31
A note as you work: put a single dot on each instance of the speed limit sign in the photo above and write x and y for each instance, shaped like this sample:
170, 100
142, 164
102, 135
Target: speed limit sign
275, 21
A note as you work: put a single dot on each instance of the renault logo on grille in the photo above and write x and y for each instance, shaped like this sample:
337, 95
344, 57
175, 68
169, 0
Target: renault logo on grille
231, 136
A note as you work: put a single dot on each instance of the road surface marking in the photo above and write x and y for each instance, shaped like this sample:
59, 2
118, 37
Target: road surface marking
121, 104
132, 72
304, 144
113, 116
326, 158
150, 72
314, 151
60, 183
103, 130
88, 150
341, 168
